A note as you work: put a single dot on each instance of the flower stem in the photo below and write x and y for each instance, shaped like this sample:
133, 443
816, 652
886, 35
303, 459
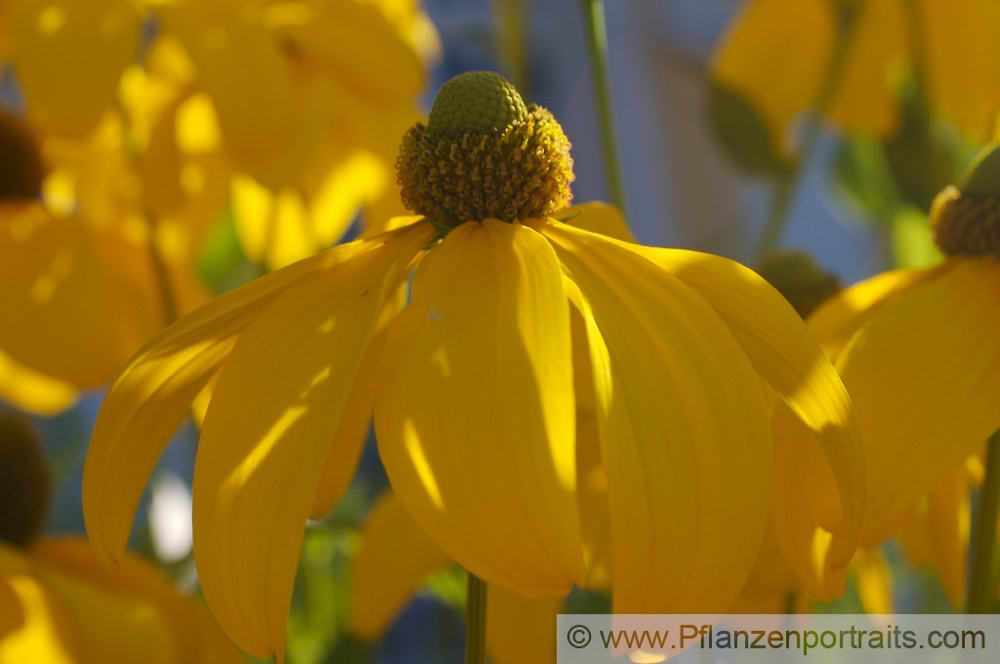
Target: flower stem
981, 584
475, 621
597, 51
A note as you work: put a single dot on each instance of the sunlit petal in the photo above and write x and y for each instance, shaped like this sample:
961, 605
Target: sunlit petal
685, 438
273, 415
784, 353
475, 415
133, 427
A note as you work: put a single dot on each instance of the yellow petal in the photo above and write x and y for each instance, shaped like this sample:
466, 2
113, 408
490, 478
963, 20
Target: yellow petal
271, 136
863, 102
352, 432
110, 626
837, 319
520, 630
58, 312
784, 353
153, 392
875, 581
67, 93
923, 375
362, 51
963, 62
34, 625
685, 437
274, 412
937, 535
753, 57
592, 481
805, 502
394, 558
32, 391
475, 415
197, 636
597, 217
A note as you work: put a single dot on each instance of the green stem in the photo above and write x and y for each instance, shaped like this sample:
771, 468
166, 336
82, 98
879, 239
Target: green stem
475, 620
984, 534
788, 186
597, 51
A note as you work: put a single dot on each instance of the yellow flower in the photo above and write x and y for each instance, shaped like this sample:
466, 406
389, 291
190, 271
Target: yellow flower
311, 99
59, 604
515, 323
917, 351
778, 52
80, 285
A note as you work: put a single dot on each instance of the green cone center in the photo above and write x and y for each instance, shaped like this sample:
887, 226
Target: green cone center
484, 154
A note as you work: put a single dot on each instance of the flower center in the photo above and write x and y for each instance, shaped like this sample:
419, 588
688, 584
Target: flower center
21, 168
966, 219
24, 482
484, 154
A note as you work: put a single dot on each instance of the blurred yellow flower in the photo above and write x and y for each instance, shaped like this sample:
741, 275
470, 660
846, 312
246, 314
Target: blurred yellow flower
515, 322
311, 99
59, 604
778, 54
917, 351
80, 282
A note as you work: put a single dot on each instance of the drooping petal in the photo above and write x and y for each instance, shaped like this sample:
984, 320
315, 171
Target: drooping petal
924, 374
753, 57
685, 437
197, 637
153, 392
274, 411
475, 416
394, 558
785, 354
806, 513
520, 630
352, 432
592, 480
66, 93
